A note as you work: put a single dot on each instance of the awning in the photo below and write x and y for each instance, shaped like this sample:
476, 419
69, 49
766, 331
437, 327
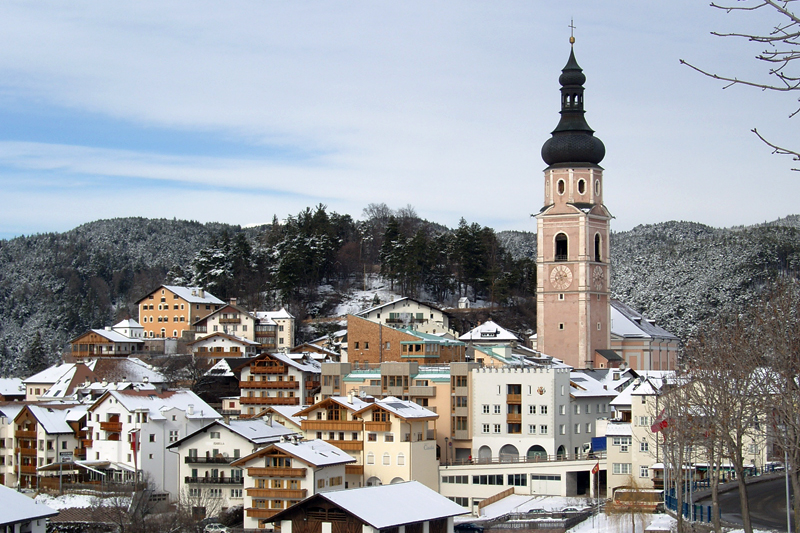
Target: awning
610, 355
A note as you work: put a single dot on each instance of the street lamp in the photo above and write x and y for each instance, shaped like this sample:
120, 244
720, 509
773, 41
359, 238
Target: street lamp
446, 439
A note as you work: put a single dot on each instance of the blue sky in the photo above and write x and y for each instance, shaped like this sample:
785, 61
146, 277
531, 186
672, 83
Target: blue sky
238, 111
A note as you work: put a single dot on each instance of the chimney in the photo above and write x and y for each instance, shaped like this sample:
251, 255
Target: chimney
201, 293
146, 379
191, 409
104, 383
350, 396
233, 301
108, 328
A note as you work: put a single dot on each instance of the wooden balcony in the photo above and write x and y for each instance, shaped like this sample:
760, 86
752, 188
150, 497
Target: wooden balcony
222, 480
514, 418
230, 320
25, 434
312, 385
276, 472
262, 513
269, 384
514, 398
256, 400
79, 453
354, 470
277, 369
299, 494
382, 427
26, 451
86, 443
332, 425
115, 427
28, 469
347, 445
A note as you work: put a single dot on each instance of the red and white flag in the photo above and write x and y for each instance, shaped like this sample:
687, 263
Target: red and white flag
660, 423
596, 468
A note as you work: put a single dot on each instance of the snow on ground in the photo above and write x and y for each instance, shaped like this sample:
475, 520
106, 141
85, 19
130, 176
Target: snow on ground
356, 301
621, 523
66, 501
520, 503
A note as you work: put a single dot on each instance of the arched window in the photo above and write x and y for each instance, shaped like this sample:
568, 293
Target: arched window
597, 248
401, 459
163, 333
537, 453
561, 186
370, 458
562, 247
387, 460
174, 332
581, 186
509, 453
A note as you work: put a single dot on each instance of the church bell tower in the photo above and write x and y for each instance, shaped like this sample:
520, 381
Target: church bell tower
573, 307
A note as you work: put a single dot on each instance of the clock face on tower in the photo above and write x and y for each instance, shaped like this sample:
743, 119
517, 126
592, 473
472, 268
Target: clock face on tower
561, 277
598, 278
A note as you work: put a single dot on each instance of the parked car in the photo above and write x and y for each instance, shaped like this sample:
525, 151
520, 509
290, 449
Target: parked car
468, 528
216, 528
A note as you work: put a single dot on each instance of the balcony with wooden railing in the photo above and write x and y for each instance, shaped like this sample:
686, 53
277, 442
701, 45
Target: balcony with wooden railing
256, 400
378, 426
115, 427
86, 443
79, 453
236, 320
269, 384
20, 434
312, 385
25, 451
354, 470
514, 398
262, 513
298, 494
514, 418
275, 369
332, 425
254, 471
347, 445
28, 469
219, 459
221, 480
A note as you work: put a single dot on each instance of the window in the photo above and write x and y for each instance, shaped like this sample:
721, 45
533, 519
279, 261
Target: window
370, 458
152, 437
462, 480
388, 345
387, 461
214, 434
320, 483
562, 409
560, 186
532, 429
486, 428
545, 477
497, 428
372, 437
562, 429
497, 409
621, 468
236, 493
355, 345
486, 408
562, 247
581, 186
577, 409
490, 479
588, 427
388, 437
518, 480
366, 345
644, 446
401, 459
543, 409
543, 430
588, 409
644, 471
531, 409
577, 429
597, 255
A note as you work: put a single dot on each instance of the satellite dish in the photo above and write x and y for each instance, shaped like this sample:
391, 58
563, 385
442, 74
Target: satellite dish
225, 455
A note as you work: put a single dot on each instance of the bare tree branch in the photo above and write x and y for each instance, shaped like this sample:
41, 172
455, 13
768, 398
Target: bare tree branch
778, 149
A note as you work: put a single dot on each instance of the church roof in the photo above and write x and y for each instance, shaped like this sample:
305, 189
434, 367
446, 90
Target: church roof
573, 141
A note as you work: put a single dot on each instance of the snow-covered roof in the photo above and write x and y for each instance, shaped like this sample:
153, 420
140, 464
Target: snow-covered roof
396, 504
232, 338
131, 369
405, 409
17, 507
315, 452
11, 409
607, 376
156, 403
54, 421
626, 322
585, 386
115, 336
272, 315
50, 375
11, 387
365, 312
128, 323
256, 430
356, 405
616, 429
192, 295
309, 366
289, 412
488, 331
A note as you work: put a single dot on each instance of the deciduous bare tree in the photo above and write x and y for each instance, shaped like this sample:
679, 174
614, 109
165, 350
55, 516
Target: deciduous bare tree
781, 54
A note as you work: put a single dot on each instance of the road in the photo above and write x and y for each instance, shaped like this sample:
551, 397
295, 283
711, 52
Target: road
767, 505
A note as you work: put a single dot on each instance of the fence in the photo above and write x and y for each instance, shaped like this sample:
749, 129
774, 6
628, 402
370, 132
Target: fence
699, 513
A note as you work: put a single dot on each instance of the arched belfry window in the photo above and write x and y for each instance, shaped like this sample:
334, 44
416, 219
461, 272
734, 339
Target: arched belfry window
562, 247
597, 248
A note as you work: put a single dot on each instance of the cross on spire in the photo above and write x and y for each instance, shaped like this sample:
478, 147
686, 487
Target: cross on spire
571, 30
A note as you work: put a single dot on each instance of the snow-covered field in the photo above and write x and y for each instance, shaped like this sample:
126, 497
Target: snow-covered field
66, 501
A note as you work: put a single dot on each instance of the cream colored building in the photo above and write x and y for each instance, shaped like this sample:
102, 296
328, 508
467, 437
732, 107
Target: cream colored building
282, 474
406, 312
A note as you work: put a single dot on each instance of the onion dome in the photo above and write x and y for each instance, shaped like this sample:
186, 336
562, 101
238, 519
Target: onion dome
573, 141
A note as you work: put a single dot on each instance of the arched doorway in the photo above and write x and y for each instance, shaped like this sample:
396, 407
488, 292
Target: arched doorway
374, 482
509, 453
485, 454
537, 453
561, 453
397, 480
